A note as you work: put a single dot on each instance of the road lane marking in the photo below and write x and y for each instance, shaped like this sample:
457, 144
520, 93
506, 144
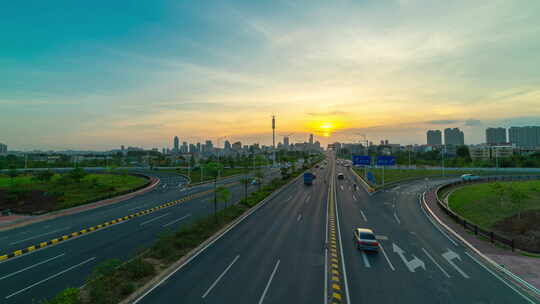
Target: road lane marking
354, 197
308, 197
363, 215
450, 256
435, 262
269, 282
220, 276
435, 224
135, 208
299, 217
500, 279
386, 257
341, 248
364, 257
30, 267
155, 219
39, 235
177, 220
49, 278
397, 219
341, 187
412, 264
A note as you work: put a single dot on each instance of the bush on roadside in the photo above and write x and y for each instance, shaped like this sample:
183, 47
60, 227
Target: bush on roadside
67, 296
138, 269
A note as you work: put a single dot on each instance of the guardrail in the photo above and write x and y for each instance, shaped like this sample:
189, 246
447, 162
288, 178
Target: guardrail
467, 225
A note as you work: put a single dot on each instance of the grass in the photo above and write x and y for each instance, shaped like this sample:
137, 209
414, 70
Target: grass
70, 193
395, 175
195, 175
479, 204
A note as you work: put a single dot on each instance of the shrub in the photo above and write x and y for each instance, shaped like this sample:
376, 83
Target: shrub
138, 268
67, 296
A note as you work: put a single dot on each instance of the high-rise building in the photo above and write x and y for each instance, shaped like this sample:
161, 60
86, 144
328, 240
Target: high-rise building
3, 148
227, 145
209, 146
184, 147
199, 147
176, 144
237, 146
495, 136
310, 140
524, 136
286, 142
192, 148
454, 137
434, 137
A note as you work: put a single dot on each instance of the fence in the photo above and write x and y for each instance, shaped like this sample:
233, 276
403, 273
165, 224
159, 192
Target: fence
491, 235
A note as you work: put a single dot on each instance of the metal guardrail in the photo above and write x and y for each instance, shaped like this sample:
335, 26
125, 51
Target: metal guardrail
467, 225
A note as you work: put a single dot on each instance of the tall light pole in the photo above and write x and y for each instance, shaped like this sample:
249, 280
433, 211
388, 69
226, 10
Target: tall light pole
219, 153
273, 140
443, 150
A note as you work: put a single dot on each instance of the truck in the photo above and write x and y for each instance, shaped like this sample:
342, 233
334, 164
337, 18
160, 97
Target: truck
308, 178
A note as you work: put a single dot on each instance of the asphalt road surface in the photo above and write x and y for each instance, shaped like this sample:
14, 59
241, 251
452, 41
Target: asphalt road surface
45, 272
281, 254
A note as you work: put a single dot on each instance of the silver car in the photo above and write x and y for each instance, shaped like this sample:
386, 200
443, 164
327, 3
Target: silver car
365, 239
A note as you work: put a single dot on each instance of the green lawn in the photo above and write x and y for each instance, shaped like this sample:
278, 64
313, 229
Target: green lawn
195, 175
92, 186
479, 204
394, 175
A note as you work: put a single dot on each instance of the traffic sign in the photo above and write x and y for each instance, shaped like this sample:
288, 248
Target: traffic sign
371, 177
386, 160
361, 160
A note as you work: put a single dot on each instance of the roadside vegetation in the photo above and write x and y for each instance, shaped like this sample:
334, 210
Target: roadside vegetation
395, 175
195, 174
112, 280
46, 191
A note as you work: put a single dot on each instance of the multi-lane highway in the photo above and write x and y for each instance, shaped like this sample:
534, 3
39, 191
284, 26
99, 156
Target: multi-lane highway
298, 248
43, 273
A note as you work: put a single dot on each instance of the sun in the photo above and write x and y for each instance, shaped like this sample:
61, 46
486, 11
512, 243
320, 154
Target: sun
325, 128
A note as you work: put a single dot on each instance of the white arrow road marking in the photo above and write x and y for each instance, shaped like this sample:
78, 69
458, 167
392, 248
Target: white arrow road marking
435, 262
412, 264
299, 217
449, 256
341, 187
366, 262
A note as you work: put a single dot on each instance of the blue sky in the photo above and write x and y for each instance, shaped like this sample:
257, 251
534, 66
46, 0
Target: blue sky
95, 75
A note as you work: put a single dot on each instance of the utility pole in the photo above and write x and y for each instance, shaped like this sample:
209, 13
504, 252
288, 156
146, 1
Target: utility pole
273, 140
443, 150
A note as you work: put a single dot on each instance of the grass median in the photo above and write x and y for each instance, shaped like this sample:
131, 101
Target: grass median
112, 281
31, 193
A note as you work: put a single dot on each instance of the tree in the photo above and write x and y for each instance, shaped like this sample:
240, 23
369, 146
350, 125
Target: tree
77, 174
259, 174
12, 173
499, 190
517, 197
44, 176
245, 182
223, 195
213, 168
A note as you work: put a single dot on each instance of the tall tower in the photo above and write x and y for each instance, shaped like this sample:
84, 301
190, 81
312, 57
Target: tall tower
273, 132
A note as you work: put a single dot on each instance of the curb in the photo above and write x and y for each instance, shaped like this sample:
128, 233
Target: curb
370, 190
186, 259
524, 285
59, 213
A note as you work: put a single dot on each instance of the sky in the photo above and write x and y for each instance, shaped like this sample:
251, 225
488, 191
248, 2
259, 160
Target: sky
99, 74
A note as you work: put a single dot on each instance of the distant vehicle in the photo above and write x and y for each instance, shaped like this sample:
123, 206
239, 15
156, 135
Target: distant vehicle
340, 176
255, 181
308, 178
469, 177
365, 239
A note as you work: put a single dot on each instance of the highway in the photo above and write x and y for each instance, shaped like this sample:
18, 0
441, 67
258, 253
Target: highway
45, 272
298, 248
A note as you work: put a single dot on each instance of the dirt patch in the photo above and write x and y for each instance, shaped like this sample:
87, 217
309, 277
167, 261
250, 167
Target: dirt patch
525, 230
27, 201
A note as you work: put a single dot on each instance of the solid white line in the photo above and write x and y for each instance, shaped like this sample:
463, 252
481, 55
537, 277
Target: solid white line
433, 260
397, 219
341, 187
386, 256
366, 262
155, 219
39, 235
501, 279
363, 215
326, 250
219, 278
341, 249
299, 217
30, 267
135, 208
308, 197
177, 220
51, 277
269, 281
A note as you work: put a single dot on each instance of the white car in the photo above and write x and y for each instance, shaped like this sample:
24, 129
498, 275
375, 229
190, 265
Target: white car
365, 239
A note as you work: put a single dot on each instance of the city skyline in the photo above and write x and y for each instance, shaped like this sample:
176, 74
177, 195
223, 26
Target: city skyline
390, 70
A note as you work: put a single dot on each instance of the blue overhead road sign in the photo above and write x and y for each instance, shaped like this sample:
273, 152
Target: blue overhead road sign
361, 160
386, 160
